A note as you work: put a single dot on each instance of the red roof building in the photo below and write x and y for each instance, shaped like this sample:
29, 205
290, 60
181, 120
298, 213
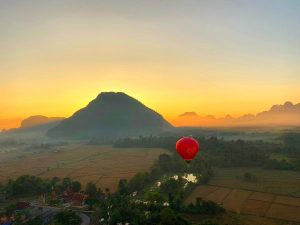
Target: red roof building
22, 205
78, 199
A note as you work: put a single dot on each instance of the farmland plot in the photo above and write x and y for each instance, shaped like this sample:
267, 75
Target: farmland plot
104, 165
250, 202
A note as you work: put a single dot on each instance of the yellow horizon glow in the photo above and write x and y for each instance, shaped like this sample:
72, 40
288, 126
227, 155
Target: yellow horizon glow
163, 88
203, 56
66, 101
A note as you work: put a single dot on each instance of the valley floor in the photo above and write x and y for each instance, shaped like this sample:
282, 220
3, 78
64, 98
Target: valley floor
281, 182
103, 165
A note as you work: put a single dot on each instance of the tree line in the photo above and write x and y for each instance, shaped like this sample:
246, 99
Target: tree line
230, 153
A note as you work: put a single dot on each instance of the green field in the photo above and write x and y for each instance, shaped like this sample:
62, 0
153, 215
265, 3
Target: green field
282, 182
103, 165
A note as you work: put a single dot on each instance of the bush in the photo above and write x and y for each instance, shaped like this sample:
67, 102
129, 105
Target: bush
204, 207
67, 218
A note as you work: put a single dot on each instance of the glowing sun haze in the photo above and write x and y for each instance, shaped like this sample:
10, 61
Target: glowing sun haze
212, 57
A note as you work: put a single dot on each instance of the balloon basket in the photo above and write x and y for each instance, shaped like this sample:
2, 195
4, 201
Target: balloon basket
188, 163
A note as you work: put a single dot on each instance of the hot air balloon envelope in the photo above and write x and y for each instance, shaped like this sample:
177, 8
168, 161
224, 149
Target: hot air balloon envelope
187, 148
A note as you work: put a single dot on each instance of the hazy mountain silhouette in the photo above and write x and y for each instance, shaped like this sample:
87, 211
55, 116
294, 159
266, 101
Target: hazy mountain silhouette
193, 119
33, 127
38, 120
287, 114
111, 115
188, 114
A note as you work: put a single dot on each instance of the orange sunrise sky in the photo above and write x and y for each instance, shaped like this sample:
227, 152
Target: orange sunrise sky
212, 57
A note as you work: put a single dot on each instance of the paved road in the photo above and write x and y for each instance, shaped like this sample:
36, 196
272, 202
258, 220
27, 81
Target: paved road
85, 219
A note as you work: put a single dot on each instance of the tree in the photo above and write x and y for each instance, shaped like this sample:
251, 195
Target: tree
138, 182
66, 183
66, 218
91, 189
123, 187
155, 197
55, 180
168, 217
9, 210
36, 221
204, 208
75, 186
172, 186
291, 140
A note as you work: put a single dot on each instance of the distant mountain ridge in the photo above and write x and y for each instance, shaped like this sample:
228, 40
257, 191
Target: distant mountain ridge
287, 114
38, 120
188, 114
33, 127
115, 114
111, 115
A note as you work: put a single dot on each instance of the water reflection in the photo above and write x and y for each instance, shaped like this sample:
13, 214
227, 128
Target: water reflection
189, 177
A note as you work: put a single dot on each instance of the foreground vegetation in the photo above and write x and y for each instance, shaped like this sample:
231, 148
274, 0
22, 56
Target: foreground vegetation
138, 201
143, 201
158, 196
233, 153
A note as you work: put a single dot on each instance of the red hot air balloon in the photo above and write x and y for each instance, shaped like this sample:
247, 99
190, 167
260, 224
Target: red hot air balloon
187, 148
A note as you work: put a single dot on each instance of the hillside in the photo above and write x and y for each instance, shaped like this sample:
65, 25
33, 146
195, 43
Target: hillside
111, 115
38, 120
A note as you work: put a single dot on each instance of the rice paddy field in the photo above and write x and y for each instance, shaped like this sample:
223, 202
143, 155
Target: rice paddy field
103, 165
230, 218
281, 182
274, 197
250, 202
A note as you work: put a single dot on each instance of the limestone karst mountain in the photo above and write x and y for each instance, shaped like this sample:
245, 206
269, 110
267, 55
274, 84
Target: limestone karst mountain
111, 115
